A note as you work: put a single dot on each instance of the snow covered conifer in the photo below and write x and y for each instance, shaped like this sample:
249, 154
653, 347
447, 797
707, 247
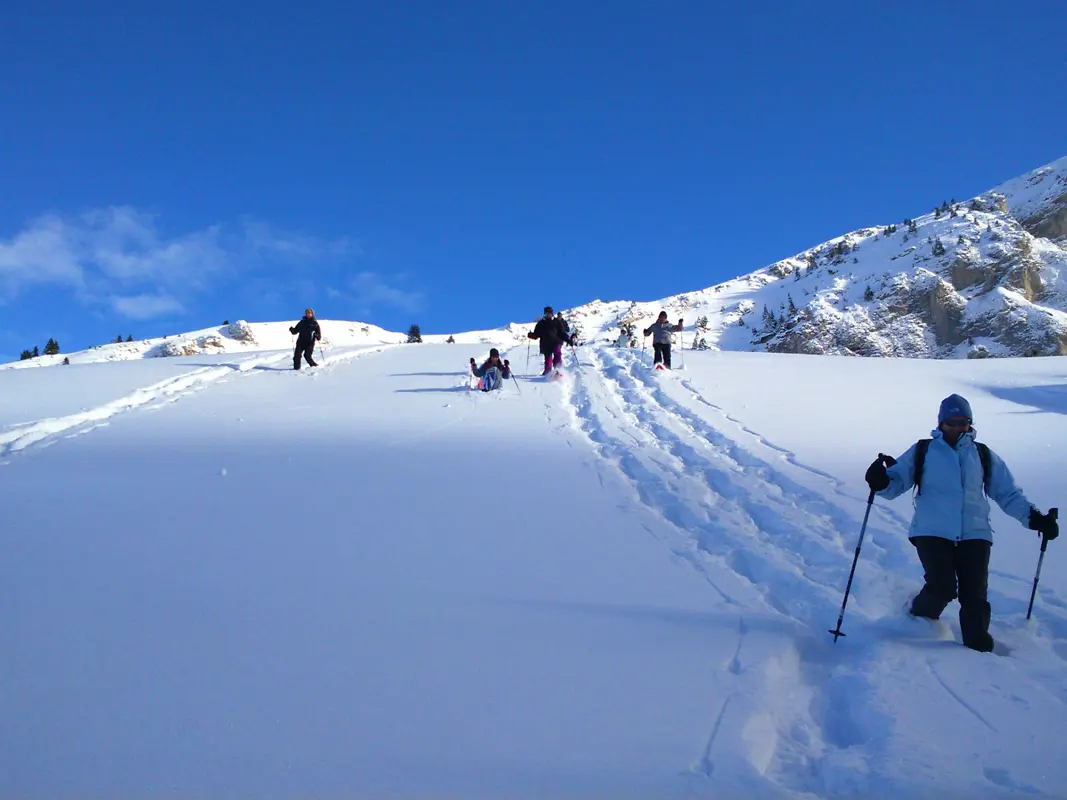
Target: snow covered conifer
414, 335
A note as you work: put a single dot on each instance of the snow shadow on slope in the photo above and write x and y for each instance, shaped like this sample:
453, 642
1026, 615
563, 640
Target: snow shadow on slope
1051, 398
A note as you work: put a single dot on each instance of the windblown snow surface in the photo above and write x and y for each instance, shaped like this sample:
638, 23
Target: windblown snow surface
221, 577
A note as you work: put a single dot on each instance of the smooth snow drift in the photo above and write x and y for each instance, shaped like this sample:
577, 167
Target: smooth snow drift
223, 577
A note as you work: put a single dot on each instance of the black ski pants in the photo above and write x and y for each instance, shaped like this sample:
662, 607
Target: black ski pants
952, 566
304, 349
663, 353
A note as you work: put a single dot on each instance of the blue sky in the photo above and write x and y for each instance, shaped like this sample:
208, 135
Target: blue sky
168, 165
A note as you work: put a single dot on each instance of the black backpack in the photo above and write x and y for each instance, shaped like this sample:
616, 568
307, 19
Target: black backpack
921, 447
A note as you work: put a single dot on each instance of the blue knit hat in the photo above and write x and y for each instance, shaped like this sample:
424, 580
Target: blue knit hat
954, 406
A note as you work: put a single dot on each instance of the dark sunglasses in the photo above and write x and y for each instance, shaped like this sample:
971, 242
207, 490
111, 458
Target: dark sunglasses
957, 423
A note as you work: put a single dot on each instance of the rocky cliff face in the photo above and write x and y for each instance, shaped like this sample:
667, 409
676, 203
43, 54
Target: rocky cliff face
1038, 200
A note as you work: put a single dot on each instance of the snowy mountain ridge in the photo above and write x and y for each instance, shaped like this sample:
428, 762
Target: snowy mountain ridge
977, 278
974, 278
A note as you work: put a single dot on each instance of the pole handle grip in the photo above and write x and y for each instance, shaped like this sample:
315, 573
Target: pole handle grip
1054, 513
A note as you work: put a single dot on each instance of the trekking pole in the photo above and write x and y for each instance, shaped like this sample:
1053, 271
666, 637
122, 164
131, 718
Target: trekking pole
870, 501
1052, 512
644, 345
322, 352
516, 382
527, 358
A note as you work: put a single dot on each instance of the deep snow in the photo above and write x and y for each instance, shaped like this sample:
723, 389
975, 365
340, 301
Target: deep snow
225, 578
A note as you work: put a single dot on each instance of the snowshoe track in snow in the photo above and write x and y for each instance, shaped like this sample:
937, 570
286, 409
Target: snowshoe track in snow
18, 437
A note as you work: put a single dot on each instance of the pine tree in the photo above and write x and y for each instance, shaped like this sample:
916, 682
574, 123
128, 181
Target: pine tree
414, 335
26, 355
66, 361
225, 322
792, 306
129, 338
51, 348
450, 340
35, 353
118, 339
961, 240
868, 294
939, 248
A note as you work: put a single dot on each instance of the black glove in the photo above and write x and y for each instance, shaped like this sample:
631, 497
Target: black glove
1045, 524
507, 363
472, 360
877, 478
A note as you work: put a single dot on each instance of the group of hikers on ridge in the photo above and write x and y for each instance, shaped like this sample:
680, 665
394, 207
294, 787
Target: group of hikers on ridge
551, 331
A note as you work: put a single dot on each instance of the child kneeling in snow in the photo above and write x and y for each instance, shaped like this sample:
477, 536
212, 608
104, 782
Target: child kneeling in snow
493, 372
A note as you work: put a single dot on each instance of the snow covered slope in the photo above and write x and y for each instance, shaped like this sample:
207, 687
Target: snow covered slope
222, 577
244, 337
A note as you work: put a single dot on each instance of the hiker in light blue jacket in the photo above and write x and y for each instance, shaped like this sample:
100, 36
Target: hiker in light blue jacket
950, 528
493, 372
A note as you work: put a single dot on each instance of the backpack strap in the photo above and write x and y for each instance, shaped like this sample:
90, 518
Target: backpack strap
921, 447
987, 468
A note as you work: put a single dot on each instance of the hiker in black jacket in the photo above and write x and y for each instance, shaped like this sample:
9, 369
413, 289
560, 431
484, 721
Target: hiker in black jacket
549, 331
308, 332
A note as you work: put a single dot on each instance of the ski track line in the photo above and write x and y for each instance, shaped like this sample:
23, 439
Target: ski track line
689, 474
788, 455
617, 448
44, 432
888, 556
797, 525
956, 697
18, 437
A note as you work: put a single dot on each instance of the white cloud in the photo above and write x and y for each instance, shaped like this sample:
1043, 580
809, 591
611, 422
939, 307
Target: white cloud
119, 256
370, 289
286, 245
44, 253
146, 306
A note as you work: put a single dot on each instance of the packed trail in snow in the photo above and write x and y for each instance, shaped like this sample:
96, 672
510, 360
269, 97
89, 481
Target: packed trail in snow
369, 577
